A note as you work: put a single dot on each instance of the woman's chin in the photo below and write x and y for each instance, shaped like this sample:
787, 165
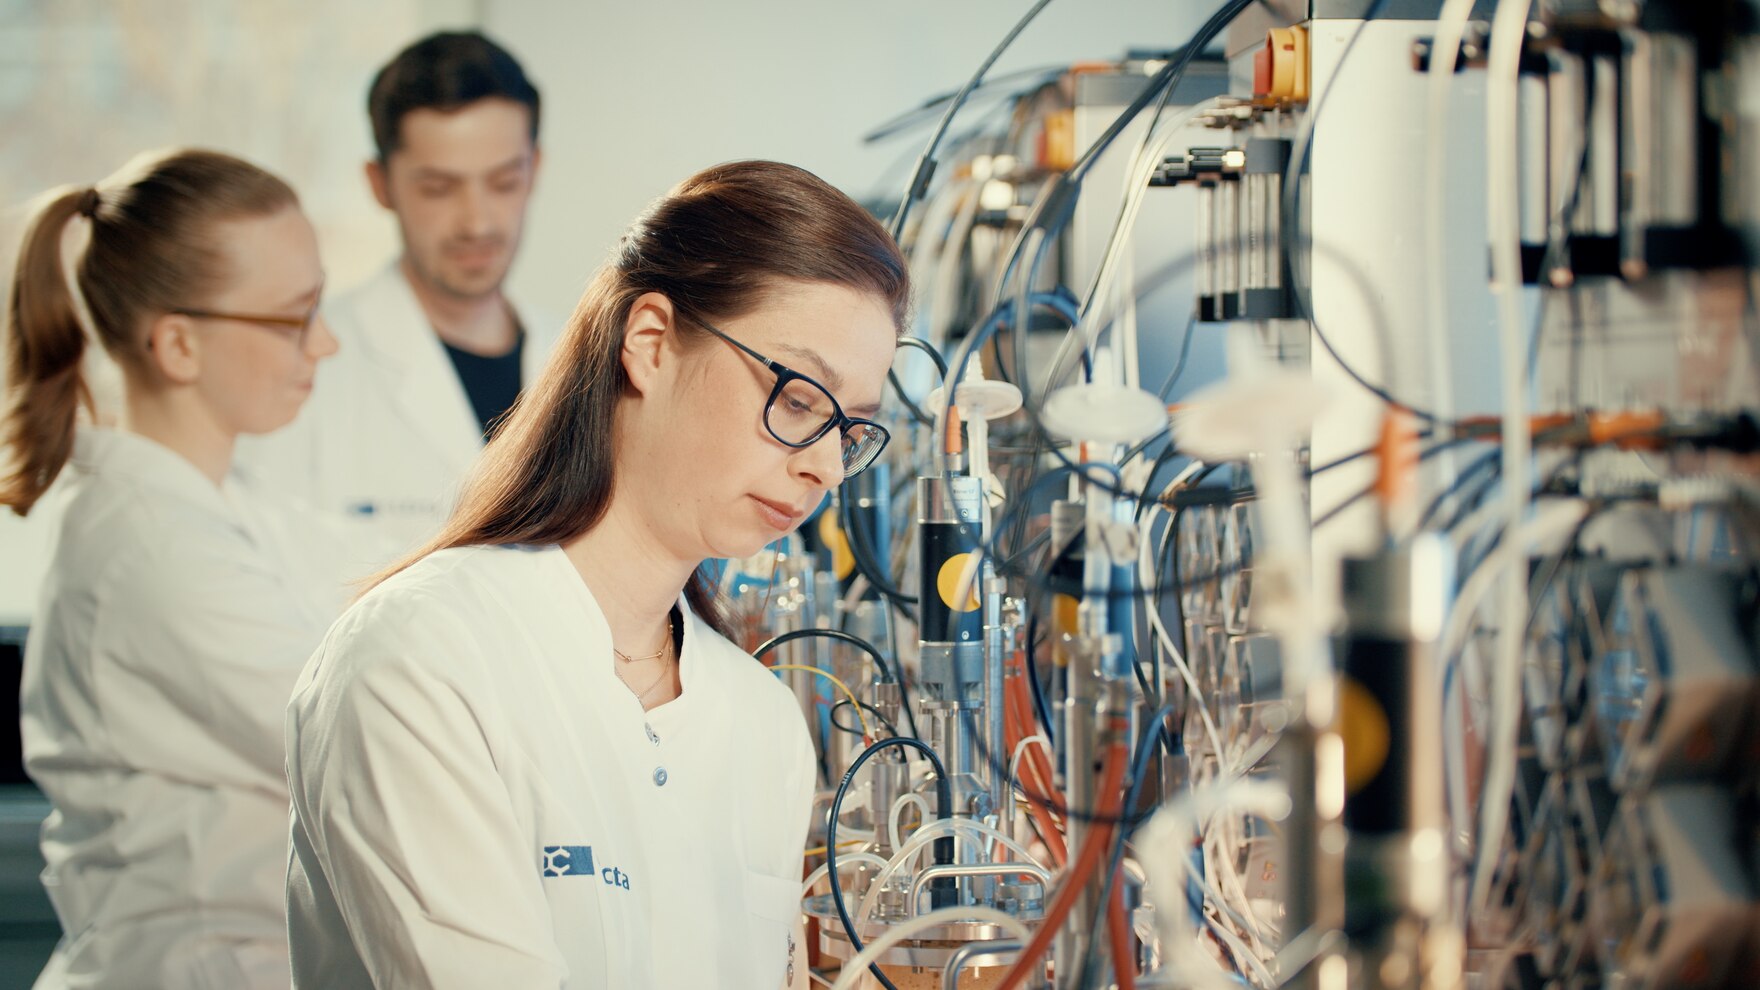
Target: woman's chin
738, 546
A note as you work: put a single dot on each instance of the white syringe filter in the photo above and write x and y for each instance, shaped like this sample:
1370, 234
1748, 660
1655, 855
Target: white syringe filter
1241, 416
979, 399
1104, 413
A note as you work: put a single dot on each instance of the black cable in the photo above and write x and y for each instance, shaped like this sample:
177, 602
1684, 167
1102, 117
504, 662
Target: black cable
1358, 455
1179, 367
1038, 76
925, 170
991, 324
1477, 498
943, 847
999, 764
929, 349
1053, 803
1545, 485
1489, 459
910, 406
887, 674
1031, 545
1056, 205
1164, 81
1368, 386
856, 730
1538, 599
1037, 690
1555, 248
1291, 201
862, 551
1172, 564
1424, 455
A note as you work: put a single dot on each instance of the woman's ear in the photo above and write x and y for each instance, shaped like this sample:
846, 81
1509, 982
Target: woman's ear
173, 349
645, 335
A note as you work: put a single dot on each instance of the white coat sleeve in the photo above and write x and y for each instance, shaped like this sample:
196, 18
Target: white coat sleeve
398, 799
803, 777
196, 648
801, 785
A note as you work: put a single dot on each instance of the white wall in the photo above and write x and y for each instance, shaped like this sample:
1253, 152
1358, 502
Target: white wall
639, 95
86, 84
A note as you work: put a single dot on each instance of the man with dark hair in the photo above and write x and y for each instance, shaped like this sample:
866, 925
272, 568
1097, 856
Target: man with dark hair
433, 353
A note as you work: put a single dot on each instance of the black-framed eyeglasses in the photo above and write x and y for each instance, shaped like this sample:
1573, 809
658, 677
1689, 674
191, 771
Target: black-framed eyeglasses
800, 411
296, 326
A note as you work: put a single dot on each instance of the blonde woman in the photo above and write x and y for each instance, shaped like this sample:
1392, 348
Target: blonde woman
179, 605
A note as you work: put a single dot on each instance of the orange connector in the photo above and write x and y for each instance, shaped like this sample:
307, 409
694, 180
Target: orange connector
1398, 453
1281, 69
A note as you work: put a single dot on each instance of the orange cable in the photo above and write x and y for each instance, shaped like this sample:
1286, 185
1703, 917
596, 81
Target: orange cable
1093, 847
1118, 931
1036, 787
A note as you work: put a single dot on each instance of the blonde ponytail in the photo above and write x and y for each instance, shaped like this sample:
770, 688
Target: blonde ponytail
44, 345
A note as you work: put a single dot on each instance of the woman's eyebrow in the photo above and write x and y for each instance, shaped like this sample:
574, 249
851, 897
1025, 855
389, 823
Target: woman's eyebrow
822, 372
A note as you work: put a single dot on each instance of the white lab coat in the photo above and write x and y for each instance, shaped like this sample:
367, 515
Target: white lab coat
388, 433
174, 620
480, 802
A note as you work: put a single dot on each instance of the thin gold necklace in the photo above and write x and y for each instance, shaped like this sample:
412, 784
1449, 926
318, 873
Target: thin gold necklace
665, 671
657, 654
641, 699
665, 648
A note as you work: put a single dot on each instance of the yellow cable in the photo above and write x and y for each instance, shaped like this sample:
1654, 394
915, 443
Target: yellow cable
820, 850
867, 730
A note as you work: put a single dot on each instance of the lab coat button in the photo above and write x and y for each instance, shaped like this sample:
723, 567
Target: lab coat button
659, 776
653, 737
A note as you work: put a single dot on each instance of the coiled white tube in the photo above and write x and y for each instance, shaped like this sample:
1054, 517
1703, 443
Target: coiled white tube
855, 968
977, 833
843, 860
898, 806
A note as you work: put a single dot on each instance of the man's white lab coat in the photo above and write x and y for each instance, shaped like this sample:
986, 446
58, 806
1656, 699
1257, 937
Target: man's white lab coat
174, 620
388, 434
480, 802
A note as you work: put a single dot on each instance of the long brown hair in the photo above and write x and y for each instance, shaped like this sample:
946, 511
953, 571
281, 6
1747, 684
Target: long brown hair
151, 250
713, 246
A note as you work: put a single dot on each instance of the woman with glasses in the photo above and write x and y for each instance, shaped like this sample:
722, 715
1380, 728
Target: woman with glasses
179, 605
531, 756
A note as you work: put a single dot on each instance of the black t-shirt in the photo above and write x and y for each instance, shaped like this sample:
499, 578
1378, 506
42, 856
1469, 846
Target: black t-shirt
491, 383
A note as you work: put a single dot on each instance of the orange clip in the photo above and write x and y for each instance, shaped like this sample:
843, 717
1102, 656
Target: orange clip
1398, 453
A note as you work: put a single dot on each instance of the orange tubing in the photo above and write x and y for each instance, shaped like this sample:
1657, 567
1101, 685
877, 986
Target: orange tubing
1034, 779
1628, 430
1045, 788
1040, 758
1118, 930
1094, 847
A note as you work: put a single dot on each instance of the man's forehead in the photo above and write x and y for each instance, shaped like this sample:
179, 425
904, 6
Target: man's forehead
476, 137
456, 167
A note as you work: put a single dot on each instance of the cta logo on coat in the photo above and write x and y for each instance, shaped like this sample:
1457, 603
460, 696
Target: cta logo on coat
573, 861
